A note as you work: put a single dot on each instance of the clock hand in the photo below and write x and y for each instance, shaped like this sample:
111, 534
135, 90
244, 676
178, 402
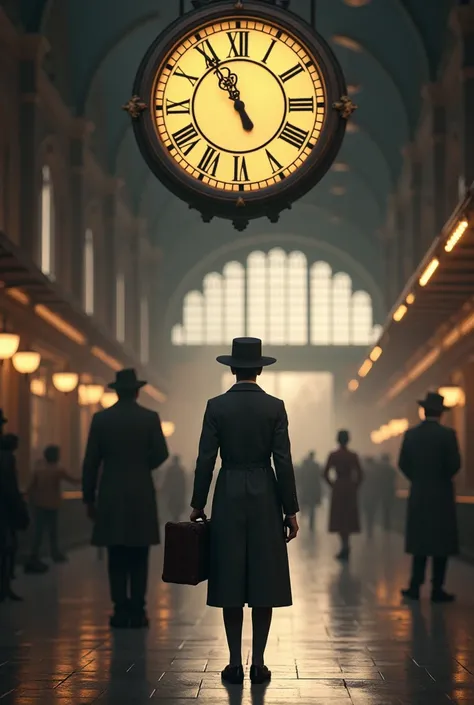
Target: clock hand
247, 123
228, 82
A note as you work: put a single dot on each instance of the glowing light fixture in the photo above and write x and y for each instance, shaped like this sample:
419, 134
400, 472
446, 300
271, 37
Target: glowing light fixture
456, 235
353, 385
376, 438
375, 353
429, 271
453, 396
168, 428
399, 313
26, 362
365, 369
65, 382
9, 343
60, 324
19, 296
410, 299
38, 387
108, 399
421, 413
94, 393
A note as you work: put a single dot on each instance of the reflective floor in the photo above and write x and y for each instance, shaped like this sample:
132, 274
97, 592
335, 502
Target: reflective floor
348, 639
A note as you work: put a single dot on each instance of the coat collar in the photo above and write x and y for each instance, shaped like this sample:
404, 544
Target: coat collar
245, 387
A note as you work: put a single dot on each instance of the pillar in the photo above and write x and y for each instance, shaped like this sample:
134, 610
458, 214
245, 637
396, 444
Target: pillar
77, 226
462, 21
110, 270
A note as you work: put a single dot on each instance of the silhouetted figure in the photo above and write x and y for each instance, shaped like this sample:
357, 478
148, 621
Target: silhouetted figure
344, 513
174, 488
370, 494
249, 560
13, 514
430, 459
45, 498
310, 484
387, 483
127, 442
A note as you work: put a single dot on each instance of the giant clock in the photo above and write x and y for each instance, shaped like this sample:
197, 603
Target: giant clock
239, 109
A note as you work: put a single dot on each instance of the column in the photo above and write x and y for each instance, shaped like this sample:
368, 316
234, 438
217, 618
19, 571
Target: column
462, 21
109, 272
77, 226
436, 95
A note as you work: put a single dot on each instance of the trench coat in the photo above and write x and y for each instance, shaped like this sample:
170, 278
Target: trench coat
125, 443
249, 559
344, 511
429, 459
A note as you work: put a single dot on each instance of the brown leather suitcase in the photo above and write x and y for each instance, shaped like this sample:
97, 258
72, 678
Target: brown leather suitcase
187, 552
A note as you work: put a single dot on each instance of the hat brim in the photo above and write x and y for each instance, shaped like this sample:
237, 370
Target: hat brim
230, 361
431, 407
135, 385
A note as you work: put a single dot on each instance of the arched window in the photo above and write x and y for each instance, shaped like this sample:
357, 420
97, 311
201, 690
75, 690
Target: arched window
234, 301
341, 305
257, 295
297, 301
47, 224
214, 303
178, 335
120, 299
321, 304
144, 331
362, 328
376, 333
89, 273
277, 298
193, 318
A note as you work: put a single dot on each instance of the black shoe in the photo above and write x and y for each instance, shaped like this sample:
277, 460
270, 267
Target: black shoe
119, 621
14, 597
411, 593
260, 674
34, 565
139, 621
442, 596
60, 558
233, 675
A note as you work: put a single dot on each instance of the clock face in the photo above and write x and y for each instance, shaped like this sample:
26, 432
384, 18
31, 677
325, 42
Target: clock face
239, 104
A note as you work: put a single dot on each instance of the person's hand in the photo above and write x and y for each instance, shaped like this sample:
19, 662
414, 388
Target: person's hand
292, 524
91, 513
197, 514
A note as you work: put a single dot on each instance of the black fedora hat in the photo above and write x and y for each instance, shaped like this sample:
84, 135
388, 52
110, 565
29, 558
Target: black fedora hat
433, 402
246, 353
126, 379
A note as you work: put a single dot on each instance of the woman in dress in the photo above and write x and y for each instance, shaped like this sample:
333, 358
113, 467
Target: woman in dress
344, 514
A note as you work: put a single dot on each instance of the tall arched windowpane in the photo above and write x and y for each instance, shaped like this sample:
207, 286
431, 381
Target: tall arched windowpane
362, 326
214, 303
120, 298
341, 307
257, 296
47, 224
144, 331
277, 297
89, 272
177, 335
320, 316
193, 318
297, 283
234, 301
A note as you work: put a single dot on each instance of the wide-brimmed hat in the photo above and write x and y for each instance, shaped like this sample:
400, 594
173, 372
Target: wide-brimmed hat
433, 402
246, 353
3, 420
127, 380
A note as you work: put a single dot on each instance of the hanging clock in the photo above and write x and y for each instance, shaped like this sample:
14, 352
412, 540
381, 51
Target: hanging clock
239, 109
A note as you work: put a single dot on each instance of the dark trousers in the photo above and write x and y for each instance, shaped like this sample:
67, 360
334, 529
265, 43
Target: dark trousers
438, 571
128, 577
46, 520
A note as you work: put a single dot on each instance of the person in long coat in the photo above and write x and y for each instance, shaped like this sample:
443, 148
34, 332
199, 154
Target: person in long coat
126, 442
429, 459
344, 513
311, 487
249, 560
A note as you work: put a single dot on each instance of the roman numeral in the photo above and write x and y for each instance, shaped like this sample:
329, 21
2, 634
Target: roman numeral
275, 165
300, 105
210, 161
186, 139
239, 44
269, 51
291, 73
181, 108
192, 79
294, 135
240, 169
207, 51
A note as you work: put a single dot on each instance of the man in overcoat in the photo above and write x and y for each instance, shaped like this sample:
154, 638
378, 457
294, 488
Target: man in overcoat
126, 443
430, 459
249, 560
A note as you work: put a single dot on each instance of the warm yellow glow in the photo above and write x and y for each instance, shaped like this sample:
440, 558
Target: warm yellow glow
106, 359
347, 43
9, 343
108, 399
65, 382
281, 73
453, 396
421, 413
90, 394
356, 3
375, 353
38, 387
154, 393
397, 427
451, 338
376, 438
168, 428
26, 362
399, 313
352, 127
19, 296
410, 299
353, 385
82, 395
354, 89
429, 271
456, 235
340, 167
60, 324
338, 190
365, 369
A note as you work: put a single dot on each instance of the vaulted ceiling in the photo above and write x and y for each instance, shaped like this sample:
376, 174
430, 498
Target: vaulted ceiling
389, 49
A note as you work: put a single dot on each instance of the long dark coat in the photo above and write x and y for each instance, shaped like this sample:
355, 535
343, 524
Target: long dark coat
249, 560
430, 459
13, 508
127, 442
344, 512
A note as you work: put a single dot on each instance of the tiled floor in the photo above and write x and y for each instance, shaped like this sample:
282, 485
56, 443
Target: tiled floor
348, 639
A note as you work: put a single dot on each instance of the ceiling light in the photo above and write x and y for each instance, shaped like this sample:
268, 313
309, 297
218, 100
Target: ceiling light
453, 396
353, 385
168, 428
410, 299
429, 271
108, 399
456, 235
399, 313
65, 382
376, 353
26, 362
9, 343
365, 369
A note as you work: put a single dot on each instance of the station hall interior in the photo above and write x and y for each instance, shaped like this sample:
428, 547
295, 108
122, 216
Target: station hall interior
362, 288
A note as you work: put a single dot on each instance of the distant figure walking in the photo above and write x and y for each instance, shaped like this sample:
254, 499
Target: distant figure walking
430, 459
125, 441
388, 484
310, 483
344, 512
370, 495
174, 488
